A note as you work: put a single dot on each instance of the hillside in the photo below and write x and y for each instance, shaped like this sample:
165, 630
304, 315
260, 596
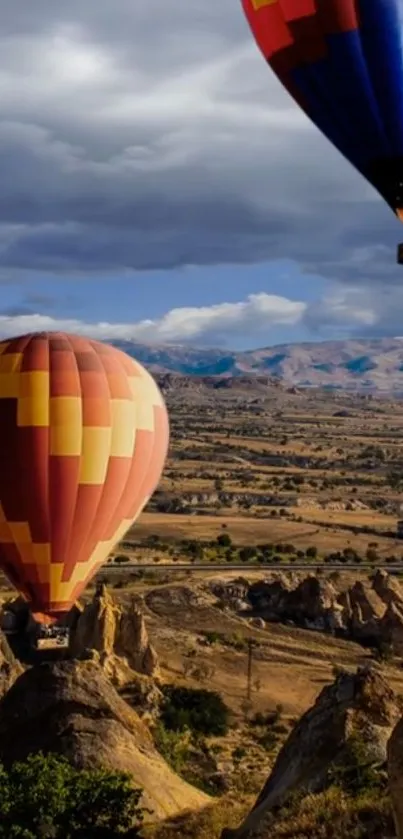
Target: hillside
373, 365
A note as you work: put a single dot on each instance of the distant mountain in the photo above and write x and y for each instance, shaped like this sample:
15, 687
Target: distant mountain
373, 365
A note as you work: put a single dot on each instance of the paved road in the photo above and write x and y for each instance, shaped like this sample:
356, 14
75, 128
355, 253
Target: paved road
258, 566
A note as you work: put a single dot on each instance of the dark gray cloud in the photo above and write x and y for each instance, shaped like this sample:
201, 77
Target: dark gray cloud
152, 135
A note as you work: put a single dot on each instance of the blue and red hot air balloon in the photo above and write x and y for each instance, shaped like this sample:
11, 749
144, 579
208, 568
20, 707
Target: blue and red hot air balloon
342, 61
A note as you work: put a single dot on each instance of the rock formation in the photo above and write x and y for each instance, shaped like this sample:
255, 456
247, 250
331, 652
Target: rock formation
131, 641
312, 602
392, 627
96, 626
387, 588
395, 775
231, 593
369, 612
362, 704
371, 604
114, 631
270, 598
71, 708
144, 696
10, 668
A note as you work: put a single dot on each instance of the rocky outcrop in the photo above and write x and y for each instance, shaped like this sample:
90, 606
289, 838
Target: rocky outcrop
370, 611
115, 632
391, 627
131, 641
388, 588
361, 705
144, 695
96, 626
363, 611
270, 598
10, 668
232, 593
311, 603
395, 775
71, 708
371, 604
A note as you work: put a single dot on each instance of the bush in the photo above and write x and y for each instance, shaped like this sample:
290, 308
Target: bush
357, 773
199, 711
45, 796
173, 746
224, 540
213, 637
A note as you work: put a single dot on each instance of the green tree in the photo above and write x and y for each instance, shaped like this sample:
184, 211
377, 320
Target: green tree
199, 711
224, 540
47, 797
246, 553
121, 558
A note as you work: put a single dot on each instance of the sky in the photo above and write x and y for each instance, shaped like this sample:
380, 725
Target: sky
158, 184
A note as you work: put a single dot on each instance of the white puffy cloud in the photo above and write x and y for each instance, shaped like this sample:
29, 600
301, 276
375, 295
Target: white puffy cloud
219, 323
349, 311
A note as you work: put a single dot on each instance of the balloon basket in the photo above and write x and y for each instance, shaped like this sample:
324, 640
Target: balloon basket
400, 254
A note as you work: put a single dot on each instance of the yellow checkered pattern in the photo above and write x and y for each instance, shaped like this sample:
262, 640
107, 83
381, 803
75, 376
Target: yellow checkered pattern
116, 428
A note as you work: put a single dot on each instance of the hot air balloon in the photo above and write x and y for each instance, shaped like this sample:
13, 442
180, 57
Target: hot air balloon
342, 61
83, 440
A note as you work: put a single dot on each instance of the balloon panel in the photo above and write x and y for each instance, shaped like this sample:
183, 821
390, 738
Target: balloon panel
342, 62
84, 436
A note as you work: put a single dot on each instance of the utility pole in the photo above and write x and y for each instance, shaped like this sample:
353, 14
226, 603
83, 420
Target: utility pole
251, 645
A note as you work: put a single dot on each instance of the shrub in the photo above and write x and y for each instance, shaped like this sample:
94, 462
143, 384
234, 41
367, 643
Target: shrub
200, 711
357, 773
173, 746
224, 540
212, 637
45, 796
246, 553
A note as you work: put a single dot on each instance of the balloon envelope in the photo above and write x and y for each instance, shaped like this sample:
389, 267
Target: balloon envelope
83, 440
342, 61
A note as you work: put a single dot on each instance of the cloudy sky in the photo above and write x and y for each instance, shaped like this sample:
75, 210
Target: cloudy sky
157, 183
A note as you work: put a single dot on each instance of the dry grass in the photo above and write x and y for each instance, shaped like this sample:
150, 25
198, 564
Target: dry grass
247, 530
208, 824
330, 815
290, 451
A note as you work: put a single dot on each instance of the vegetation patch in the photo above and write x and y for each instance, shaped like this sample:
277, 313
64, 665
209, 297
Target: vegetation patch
199, 711
46, 797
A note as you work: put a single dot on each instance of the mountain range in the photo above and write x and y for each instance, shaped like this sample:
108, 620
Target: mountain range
371, 365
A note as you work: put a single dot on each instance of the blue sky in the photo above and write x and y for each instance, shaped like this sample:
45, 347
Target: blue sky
138, 141
152, 294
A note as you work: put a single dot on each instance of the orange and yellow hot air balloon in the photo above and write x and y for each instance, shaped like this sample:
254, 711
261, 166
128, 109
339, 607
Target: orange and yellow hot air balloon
84, 436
